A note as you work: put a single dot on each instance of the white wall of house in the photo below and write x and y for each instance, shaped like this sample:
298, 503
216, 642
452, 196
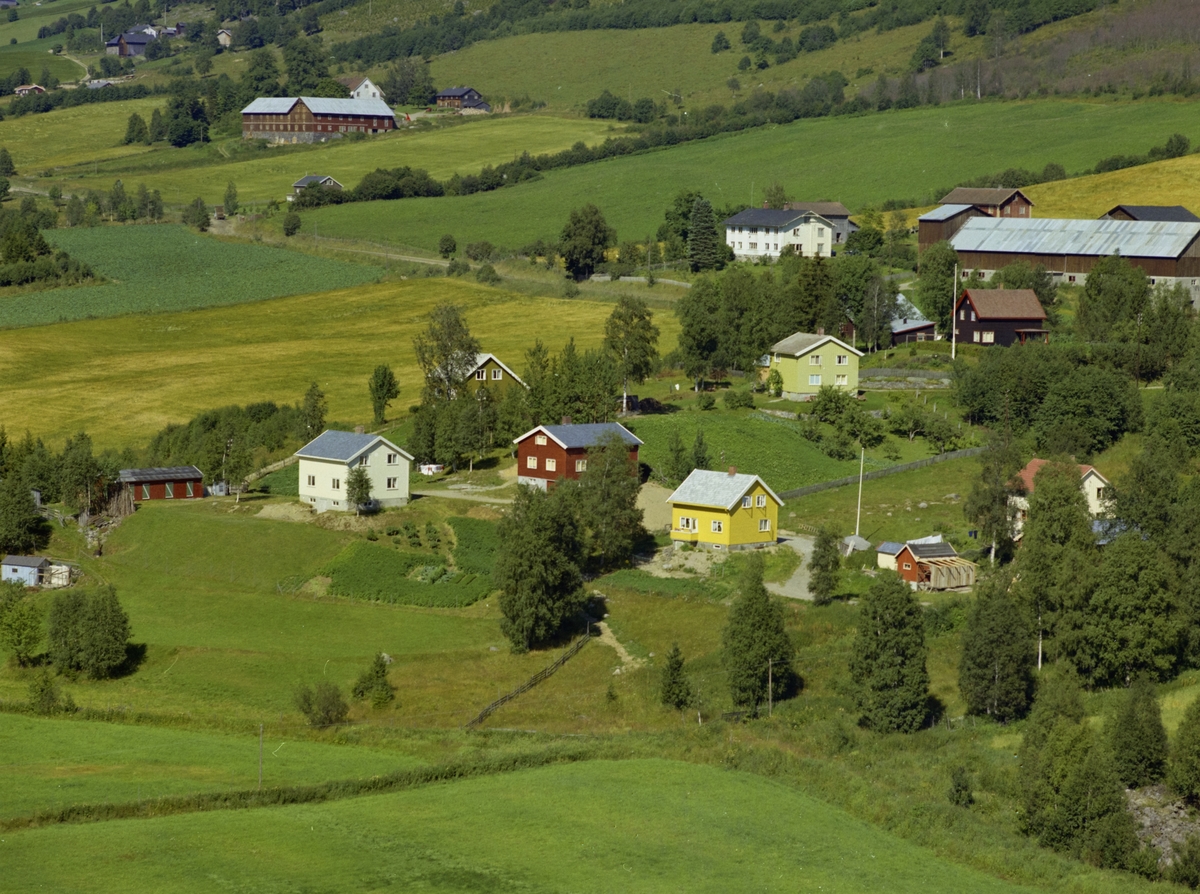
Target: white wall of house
1095, 490
366, 90
812, 236
323, 481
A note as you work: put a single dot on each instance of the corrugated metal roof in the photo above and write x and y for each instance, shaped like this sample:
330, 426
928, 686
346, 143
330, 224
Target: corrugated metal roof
803, 342
705, 488
900, 326
1094, 238
343, 446
767, 217
587, 434
25, 561
270, 105
889, 548
319, 105
172, 473
931, 550
945, 212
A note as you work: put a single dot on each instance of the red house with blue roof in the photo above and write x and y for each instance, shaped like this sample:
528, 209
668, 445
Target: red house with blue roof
550, 452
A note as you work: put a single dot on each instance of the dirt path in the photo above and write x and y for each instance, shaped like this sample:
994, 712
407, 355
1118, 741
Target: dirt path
796, 586
458, 495
609, 639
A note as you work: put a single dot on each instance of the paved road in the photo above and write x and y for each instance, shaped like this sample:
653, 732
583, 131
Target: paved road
796, 586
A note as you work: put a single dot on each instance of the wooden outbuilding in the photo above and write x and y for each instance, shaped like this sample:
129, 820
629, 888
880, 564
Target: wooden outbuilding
550, 452
174, 483
942, 223
934, 566
1000, 317
26, 570
994, 202
1176, 213
308, 119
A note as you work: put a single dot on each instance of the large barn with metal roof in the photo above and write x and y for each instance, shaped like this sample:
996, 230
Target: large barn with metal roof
1168, 251
308, 119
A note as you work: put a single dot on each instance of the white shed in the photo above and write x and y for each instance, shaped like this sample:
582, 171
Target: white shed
27, 570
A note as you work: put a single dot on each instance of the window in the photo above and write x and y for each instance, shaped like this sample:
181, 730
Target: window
814, 380
170, 490
145, 492
363, 460
841, 380
481, 374
989, 338
191, 493
718, 527
531, 462
393, 458
820, 232
540, 440
754, 229
551, 464
581, 465
796, 232
972, 316
337, 484
1070, 279
760, 501
975, 336
1101, 493
497, 375
814, 359
764, 524
820, 248
745, 502
739, 245
753, 245
908, 566
687, 524
391, 483
843, 359
962, 314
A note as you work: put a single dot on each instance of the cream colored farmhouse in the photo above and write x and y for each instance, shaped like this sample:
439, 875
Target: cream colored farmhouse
326, 461
807, 362
764, 233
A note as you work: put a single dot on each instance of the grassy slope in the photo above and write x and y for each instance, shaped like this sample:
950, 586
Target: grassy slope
637, 826
167, 268
54, 763
1174, 182
165, 368
183, 174
35, 55
73, 136
863, 160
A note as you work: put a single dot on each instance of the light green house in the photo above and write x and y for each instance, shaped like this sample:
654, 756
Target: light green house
807, 362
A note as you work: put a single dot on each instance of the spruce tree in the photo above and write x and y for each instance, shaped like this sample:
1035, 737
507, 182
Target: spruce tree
1183, 766
888, 662
757, 648
157, 131
7, 168
678, 465
703, 249
373, 683
700, 459
313, 411
231, 199
824, 567
1137, 737
135, 131
676, 691
995, 673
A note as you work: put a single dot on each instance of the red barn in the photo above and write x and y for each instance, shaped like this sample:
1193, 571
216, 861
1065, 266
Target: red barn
307, 119
550, 452
178, 483
933, 566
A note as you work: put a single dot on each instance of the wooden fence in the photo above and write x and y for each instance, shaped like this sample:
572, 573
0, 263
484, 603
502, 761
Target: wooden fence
532, 681
880, 473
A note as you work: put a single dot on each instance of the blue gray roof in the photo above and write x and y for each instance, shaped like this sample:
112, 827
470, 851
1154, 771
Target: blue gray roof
705, 488
585, 435
889, 548
318, 105
171, 473
457, 91
25, 561
313, 178
1094, 238
767, 217
945, 212
1156, 212
343, 446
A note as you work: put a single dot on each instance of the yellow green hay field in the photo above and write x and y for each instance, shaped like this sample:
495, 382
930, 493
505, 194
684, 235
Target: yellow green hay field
1173, 182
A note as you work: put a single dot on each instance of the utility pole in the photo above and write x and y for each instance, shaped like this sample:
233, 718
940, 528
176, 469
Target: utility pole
770, 688
954, 313
862, 458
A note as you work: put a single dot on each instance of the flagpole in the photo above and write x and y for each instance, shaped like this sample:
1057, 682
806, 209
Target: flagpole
954, 314
858, 517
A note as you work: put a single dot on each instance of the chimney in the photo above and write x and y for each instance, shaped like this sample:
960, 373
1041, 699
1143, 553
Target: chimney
732, 471
358, 430
820, 330
766, 205
566, 420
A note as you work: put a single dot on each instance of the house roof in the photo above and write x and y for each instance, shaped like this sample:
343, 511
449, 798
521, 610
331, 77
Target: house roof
314, 178
705, 488
319, 105
481, 359
476, 104
930, 550
822, 209
767, 217
1156, 212
25, 561
171, 473
570, 437
965, 195
944, 212
889, 548
1094, 238
1005, 304
802, 342
456, 91
1035, 465
96, 85
353, 83
908, 324
344, 446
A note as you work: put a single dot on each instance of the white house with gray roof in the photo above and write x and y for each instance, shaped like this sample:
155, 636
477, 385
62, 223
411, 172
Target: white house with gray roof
765, 232
326, 461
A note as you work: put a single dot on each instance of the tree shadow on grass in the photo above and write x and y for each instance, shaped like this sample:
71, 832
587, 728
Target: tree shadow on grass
135, 656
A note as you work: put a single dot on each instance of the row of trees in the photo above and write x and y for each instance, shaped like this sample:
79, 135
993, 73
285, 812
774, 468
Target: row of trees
86, 631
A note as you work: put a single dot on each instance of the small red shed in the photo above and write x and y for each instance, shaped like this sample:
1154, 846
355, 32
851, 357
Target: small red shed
550, 452
933, 566
177, 483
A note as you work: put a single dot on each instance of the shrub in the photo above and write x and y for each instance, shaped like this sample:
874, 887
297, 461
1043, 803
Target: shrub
481, 251
447, 246
291, 223
433, 536
735, 400
706, 401
1185, 868
960, 788
88, 632
676, 691
373, 683
45, 697
487, 275
322, 704
457, 267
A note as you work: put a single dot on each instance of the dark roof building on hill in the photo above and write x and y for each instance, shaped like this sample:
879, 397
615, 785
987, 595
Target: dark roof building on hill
999, 317
550, 452
131, 43
174, 483
992, 202
466, 99
1175, 213
318, 179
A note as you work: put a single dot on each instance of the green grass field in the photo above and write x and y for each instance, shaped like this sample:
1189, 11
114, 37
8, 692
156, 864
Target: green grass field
162, 368
183, 174
50, 764
155, 269
87, 134
863, 160
638, 826
35, 55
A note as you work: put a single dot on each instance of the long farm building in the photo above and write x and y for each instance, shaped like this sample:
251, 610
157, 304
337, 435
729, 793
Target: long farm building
308, 119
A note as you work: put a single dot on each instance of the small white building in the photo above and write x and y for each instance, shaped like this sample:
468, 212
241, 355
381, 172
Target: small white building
26, 570
225, 38
361, 87
764, 233
326, 461
1095, 489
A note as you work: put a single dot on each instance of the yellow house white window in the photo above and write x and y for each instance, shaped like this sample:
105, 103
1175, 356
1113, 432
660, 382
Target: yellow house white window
551, 465
745, 502
718, 527
764, 524
581, 465
760, 501
814, 380
686, 523
481, 374
497, 375
841, 380
391, 484
843, 359
312, 480
540, 440
531, 462
814, 359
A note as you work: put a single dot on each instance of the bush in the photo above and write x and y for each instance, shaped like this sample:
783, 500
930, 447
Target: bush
487, 275
735, 400
481, 251
447, 246
960, 788
291, 223
1185, 868
457, 268
706, 401
373, 683
45, 697
322, 704
88, 633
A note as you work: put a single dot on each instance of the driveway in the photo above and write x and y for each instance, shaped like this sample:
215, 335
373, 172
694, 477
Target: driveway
796, 586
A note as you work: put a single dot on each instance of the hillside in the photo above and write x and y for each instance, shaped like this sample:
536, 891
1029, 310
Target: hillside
1173, 182
863, 161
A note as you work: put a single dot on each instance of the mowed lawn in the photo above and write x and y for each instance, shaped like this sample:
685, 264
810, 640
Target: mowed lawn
635, 826
35, 55
863, 160
50, 764
124, 379
183, 174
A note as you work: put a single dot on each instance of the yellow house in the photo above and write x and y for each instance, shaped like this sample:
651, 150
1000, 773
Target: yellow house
807, 362
724, 510
489, 370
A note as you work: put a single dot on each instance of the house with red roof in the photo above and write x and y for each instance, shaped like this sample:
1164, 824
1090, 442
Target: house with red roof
1094, 485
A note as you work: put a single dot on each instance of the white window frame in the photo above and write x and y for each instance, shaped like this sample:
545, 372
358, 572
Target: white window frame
497, 375
989, 338
975, 336
746, 502
169, 490
815, 379
312, 481
843, 359
480, 374
190, 492
581, 465
841, 380
391, 483
531, 462
145, 491
393, 459
718, 526
764, 525
551, 464
336, 484
761, 501
540, 440
814, 359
